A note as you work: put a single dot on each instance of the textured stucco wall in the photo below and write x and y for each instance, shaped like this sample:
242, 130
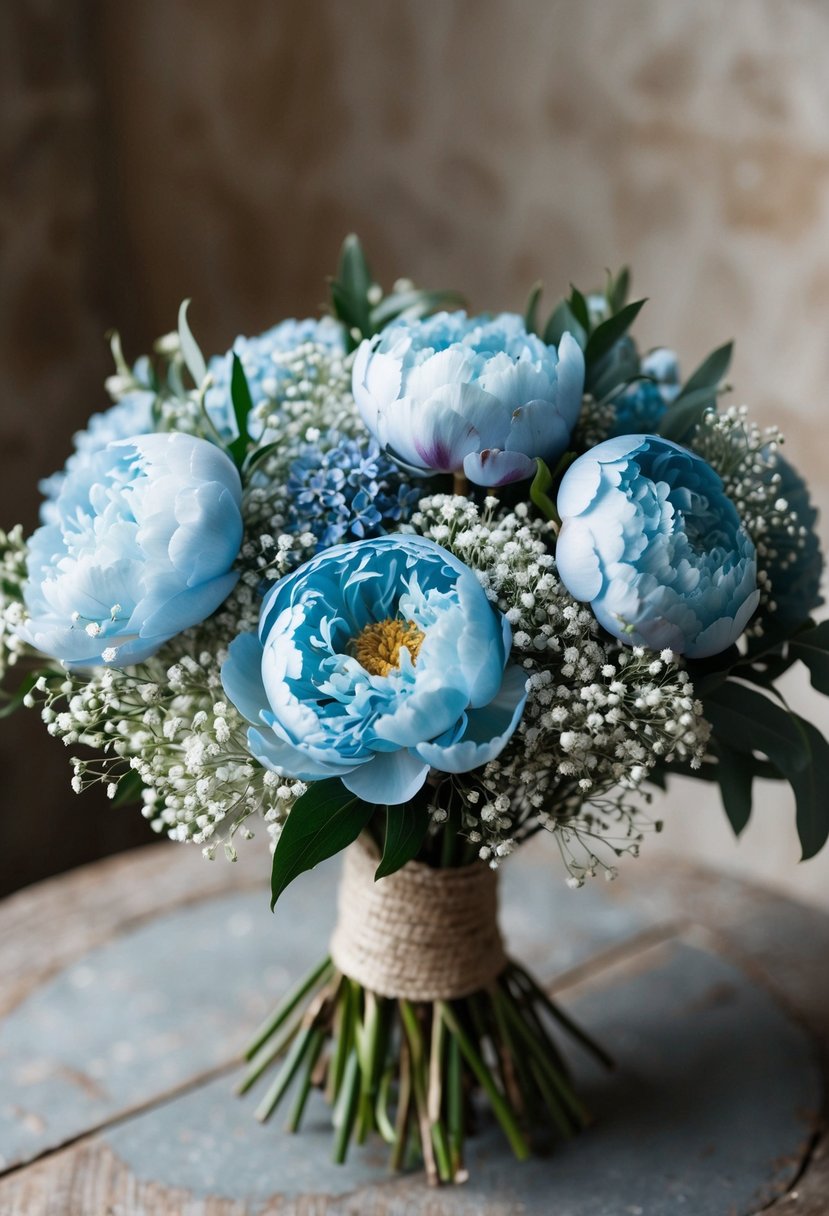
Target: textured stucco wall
221, 151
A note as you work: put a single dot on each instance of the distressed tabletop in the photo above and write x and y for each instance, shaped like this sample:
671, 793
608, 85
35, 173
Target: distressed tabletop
129, 987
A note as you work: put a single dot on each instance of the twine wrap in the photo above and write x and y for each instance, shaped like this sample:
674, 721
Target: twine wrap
421, 934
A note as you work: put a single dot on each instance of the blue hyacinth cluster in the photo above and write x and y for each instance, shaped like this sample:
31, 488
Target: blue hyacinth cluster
341, 490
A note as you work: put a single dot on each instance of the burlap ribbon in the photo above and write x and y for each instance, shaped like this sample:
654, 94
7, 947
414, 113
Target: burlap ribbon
422, 934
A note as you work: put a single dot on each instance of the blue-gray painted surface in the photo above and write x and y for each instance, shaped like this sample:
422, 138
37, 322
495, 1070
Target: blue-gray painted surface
707, 1114
181, 994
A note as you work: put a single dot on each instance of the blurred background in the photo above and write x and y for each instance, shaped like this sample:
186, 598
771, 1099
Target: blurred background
179, 148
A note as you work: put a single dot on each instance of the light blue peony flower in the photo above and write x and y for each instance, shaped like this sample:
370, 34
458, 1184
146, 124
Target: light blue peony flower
260, 358
650, 539
132, 415
456, 393
375, 662
140, 547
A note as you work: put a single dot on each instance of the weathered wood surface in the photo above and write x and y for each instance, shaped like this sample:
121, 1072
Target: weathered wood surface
128, 988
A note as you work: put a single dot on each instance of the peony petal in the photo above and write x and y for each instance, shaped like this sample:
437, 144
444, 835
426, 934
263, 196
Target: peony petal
242, 676
389, 779
288, 761
487, 730
577, 561
570, 373
492, 467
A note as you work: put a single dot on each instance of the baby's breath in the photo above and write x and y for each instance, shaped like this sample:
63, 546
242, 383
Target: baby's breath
598, 719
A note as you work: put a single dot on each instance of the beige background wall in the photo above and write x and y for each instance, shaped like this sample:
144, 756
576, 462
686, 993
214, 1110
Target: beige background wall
221, 151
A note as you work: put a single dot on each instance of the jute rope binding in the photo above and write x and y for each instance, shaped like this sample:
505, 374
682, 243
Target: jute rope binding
422, 934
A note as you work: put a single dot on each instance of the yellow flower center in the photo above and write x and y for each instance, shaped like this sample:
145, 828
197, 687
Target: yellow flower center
377, 646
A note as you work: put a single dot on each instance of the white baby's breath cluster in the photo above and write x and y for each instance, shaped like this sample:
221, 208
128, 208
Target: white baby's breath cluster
167, 726
746, 457
599, 717
12, 575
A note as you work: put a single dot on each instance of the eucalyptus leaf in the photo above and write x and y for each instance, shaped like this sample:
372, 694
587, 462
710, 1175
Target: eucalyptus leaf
190, 350
326, 819
406, 828
607, 334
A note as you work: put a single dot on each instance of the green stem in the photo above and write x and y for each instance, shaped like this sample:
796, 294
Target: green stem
345, 1038
404, 1106
314, 1050
285, 1075
267, 1055
454, 1104
419, 1085
346, 1108
288, 1004
500, 1106
573, 1029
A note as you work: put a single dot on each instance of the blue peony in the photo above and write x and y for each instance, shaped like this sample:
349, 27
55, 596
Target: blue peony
140, 546
456, 393
260, 358
651, 540
132, 415
375, 662
640, 406
341, 489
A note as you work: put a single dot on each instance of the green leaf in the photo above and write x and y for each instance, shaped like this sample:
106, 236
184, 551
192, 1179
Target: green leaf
352, 271
540, 491
617, 289
610, 331
531, 310
353, 284
406, 828
812, 648
735, 774
242, 405
15, 700
190, 351
685, 414
749, 722
326, 819
129, 789
810, 785
413, 305
579, 309
257, 455
710, 373
562, 321
344, 307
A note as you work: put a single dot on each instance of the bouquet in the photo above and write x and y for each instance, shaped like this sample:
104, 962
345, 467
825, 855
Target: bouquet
421, 585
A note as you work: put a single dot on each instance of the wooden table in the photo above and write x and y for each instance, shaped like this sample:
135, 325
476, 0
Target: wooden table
129, 987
